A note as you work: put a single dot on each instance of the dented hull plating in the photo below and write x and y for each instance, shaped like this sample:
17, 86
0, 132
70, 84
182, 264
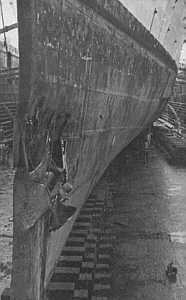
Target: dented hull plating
95, 69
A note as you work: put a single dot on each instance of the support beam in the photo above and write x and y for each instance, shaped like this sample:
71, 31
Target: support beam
8, 28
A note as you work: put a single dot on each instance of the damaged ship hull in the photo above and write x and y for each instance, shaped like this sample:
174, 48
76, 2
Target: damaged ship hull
91, 71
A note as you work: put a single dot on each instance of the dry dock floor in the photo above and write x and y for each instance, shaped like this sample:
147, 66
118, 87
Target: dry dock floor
142, 229
6, 225
148, 219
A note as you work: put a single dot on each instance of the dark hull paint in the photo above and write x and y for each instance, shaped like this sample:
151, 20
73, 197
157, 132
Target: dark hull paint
88, 63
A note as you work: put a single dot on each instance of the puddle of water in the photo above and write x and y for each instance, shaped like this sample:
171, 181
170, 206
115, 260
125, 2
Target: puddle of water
149, 221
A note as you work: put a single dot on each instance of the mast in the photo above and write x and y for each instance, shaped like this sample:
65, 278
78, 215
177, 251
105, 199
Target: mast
3, 23
3, 31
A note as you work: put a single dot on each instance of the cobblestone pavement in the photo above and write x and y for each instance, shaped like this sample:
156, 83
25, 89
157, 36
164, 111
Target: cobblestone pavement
148, 217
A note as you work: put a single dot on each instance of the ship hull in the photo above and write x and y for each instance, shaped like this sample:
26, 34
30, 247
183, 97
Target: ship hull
98, 71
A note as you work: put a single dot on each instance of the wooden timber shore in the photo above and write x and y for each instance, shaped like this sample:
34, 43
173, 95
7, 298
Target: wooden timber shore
172, 145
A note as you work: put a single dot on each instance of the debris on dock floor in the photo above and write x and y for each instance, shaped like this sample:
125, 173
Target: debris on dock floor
148, 206
6, 226
130, 229
142, 208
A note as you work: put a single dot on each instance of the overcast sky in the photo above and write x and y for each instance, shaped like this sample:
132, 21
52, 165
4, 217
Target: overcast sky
10, 17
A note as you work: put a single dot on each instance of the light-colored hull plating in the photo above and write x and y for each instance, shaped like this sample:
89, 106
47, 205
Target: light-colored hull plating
167, 25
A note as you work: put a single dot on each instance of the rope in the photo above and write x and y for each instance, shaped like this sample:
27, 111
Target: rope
154, 13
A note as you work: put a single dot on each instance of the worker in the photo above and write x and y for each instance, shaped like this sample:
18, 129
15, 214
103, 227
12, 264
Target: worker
146, 146
61, 212
171, 271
